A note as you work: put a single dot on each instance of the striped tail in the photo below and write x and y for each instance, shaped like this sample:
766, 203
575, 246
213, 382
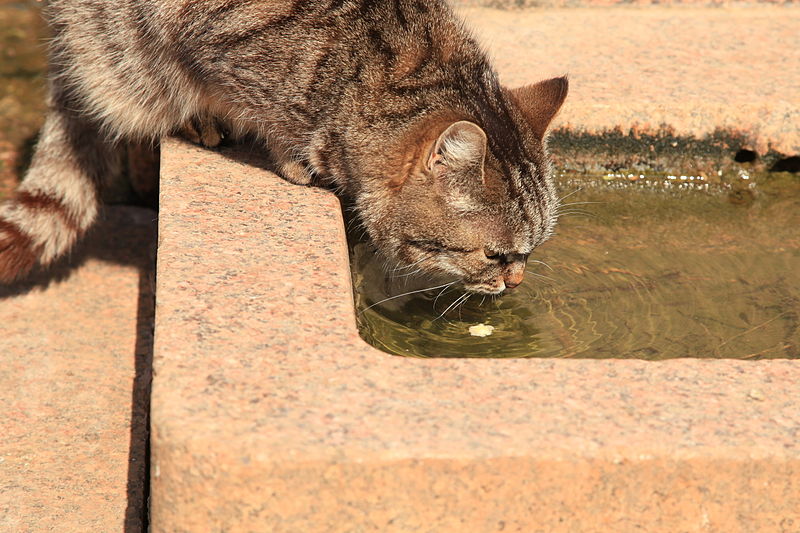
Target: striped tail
58, 199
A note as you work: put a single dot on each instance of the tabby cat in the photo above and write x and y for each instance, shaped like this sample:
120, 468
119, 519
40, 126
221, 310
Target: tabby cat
392, 102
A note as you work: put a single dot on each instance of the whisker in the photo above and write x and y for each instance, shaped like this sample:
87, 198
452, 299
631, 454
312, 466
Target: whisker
443, 291
570, 211
541, 276
405, 294
417, 271
540, 263
574, 212
461, 305
579, 189
580, 203
461, 299
406, 267
451, 306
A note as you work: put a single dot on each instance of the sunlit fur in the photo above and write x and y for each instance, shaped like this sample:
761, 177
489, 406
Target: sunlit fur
358, 94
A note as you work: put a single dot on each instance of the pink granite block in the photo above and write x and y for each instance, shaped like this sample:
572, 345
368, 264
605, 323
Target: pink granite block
692, 69
76, 345
270, 414
517, 5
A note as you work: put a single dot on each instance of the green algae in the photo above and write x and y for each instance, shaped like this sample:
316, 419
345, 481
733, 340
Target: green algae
654, 151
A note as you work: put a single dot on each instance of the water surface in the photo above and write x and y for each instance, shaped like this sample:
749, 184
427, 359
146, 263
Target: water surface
652, 268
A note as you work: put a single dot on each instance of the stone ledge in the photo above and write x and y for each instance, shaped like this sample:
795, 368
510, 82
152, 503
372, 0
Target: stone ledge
692, 70
270, 413
76, 344
528, 4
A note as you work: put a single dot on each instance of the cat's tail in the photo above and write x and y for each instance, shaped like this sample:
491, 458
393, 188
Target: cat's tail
59, 198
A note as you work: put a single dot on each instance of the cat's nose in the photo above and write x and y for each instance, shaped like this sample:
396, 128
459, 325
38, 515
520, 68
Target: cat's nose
512, 279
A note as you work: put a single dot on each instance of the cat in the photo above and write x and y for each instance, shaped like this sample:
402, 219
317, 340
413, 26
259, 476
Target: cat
391, 102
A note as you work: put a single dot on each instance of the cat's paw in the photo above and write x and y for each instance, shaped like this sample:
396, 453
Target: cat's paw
295, 172
17, 256
206, 131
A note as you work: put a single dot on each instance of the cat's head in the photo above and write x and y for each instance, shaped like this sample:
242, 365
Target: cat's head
472, 203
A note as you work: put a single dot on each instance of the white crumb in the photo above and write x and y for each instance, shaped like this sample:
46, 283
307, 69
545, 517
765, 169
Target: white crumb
481, 330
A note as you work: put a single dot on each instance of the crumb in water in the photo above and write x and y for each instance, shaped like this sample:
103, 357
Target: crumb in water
481, 330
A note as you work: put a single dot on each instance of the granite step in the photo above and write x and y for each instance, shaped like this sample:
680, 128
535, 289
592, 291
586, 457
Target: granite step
76, 347
689, 70
269, 413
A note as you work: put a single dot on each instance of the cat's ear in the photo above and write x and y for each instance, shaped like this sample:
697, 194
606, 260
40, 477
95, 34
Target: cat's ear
460, 147
540, 102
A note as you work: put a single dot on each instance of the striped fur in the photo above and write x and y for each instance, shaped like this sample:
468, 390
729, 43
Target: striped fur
359, 94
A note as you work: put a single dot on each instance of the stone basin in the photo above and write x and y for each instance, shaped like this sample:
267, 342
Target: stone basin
270, 413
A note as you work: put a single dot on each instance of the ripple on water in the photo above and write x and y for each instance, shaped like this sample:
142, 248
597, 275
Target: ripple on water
649, 273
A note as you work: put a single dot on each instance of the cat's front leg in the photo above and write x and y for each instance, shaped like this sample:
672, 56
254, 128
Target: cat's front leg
204, 130
295, 172
291, 169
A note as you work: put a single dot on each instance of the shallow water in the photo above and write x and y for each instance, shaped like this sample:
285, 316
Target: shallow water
658, 268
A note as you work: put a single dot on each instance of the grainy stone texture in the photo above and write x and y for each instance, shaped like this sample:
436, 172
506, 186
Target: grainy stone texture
692, 69
270, 414
76, 346
517, 4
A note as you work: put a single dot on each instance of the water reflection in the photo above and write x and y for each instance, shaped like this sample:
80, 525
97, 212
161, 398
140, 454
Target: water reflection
649, 271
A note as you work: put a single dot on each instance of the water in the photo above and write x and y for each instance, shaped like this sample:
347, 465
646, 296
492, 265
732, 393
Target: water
658, 268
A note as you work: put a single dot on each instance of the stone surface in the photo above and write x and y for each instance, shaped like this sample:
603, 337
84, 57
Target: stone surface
270, 414
692, 69
76, 345
518, 4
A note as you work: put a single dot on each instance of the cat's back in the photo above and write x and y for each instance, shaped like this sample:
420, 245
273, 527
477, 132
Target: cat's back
144, 66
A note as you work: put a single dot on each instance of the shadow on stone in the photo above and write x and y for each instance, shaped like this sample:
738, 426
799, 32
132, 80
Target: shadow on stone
787, 164
745, 156
136, 515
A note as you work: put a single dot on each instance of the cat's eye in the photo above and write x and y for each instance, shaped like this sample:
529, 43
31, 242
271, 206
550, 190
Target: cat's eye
428, 245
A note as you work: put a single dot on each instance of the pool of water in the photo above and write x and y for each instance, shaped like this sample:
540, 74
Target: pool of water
644, 267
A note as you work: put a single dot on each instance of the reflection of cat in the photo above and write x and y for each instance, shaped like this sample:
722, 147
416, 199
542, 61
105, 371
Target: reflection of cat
392, 102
